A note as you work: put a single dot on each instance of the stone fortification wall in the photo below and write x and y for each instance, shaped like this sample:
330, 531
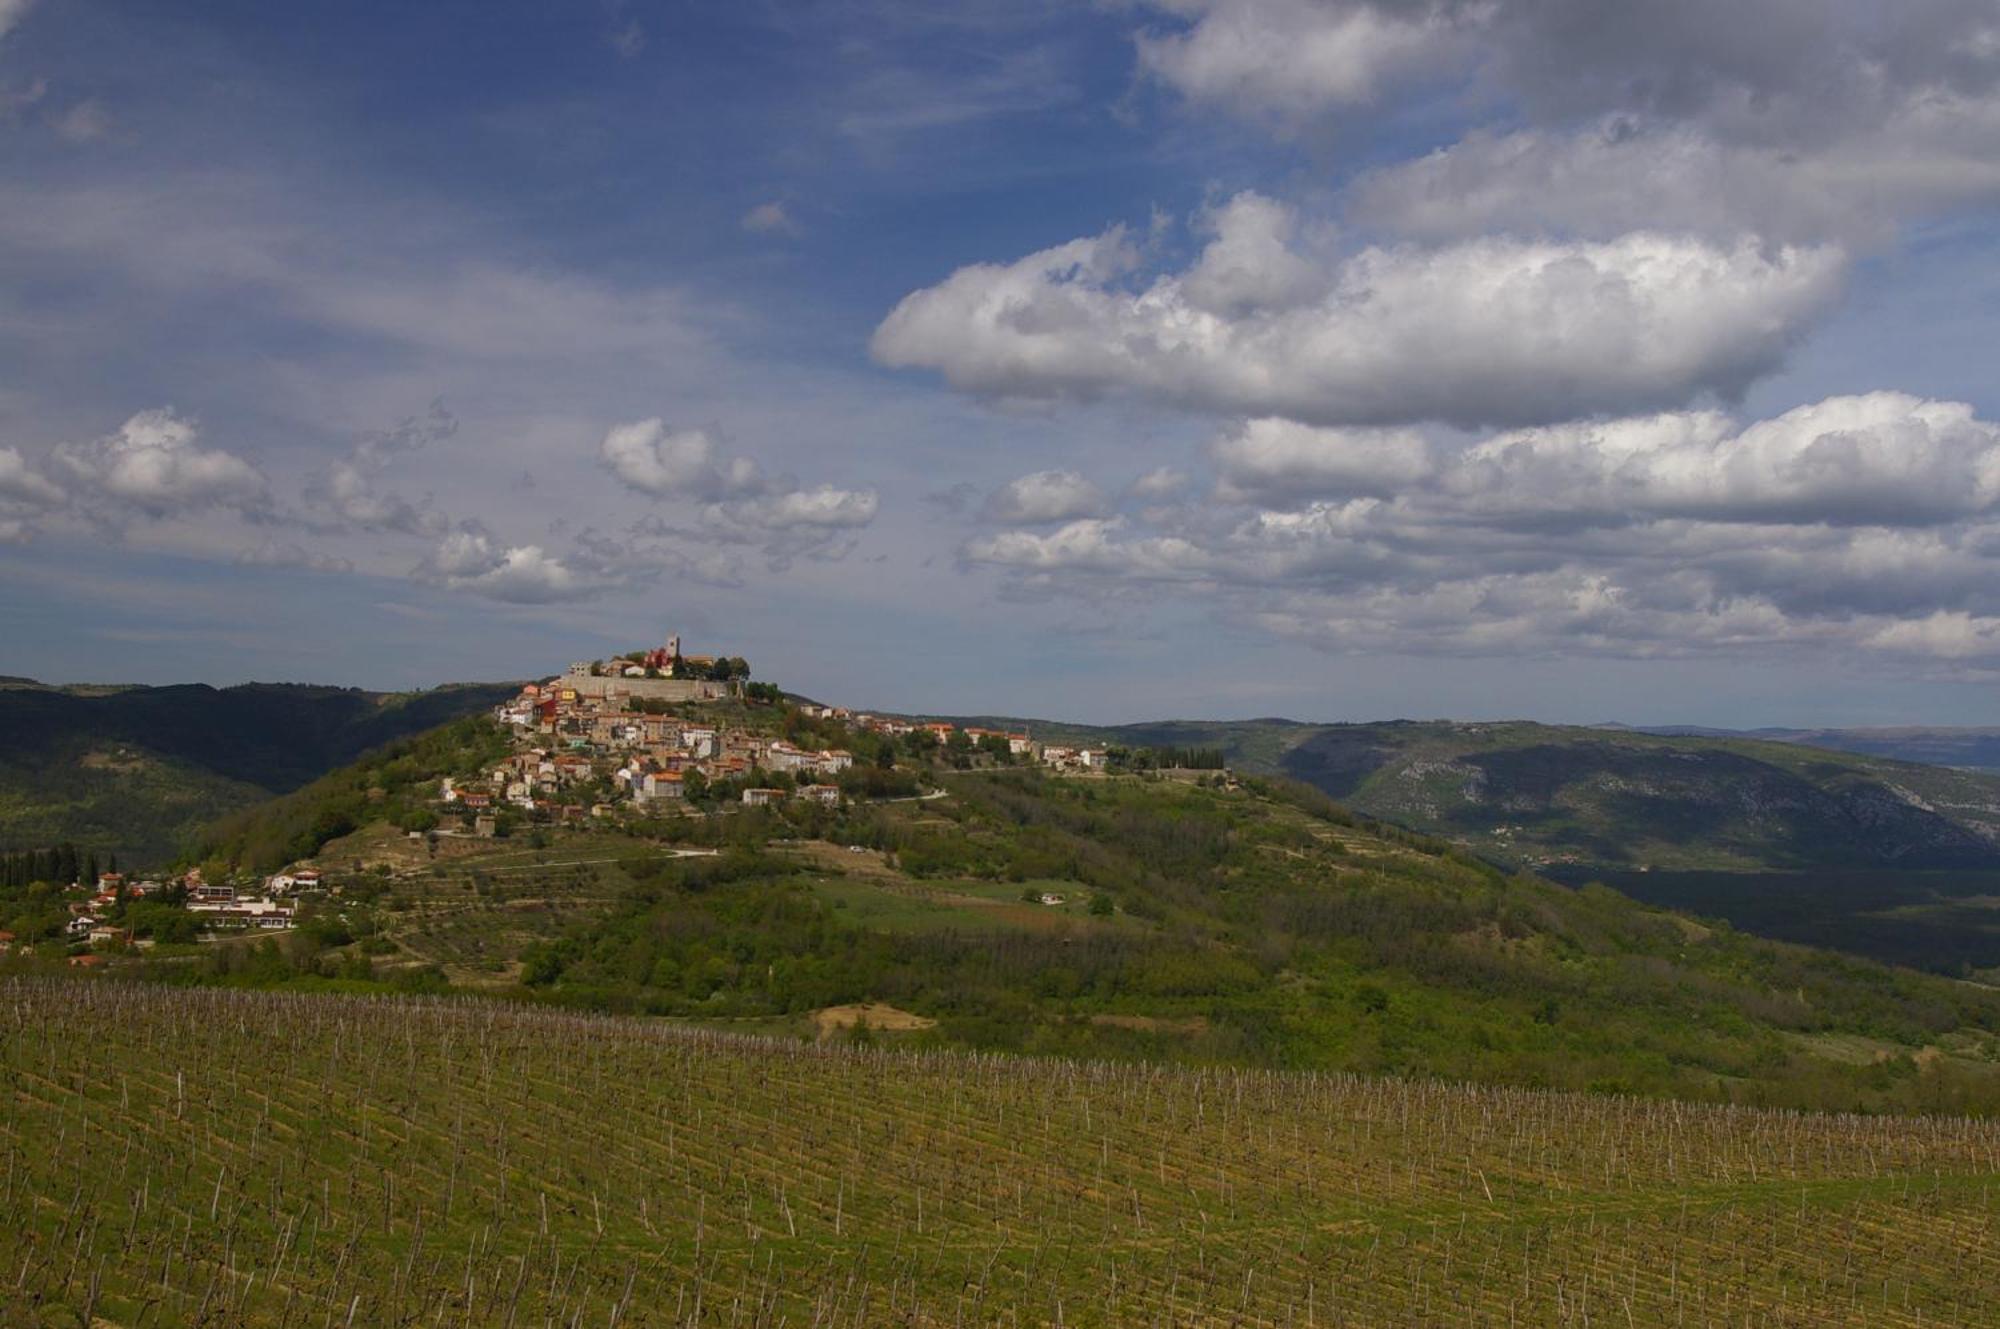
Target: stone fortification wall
652, 689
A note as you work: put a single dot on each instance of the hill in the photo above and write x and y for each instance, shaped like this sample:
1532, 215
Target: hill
328, 1160
1972, 749
1183, 917
131, 771
1540, 795
1796, 839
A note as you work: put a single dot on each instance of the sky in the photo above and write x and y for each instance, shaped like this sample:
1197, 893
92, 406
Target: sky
1338, 359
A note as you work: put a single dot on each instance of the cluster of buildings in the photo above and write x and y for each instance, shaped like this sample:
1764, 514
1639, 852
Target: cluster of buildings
604, 728
602, 733
89, 919
1018, 743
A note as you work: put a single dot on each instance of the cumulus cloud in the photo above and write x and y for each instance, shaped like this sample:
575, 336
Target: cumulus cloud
1750, 67
348, 494
1792, 118
1869, 521
1045, 496
154, 463
1886, 459
822, 507
1289, 58
1162, 482
26, 496
1276, 461
677, 463
22, 483
469, 559
735, 501
1619, 174
1489, 331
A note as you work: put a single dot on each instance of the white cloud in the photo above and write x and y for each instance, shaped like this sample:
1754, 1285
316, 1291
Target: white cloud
1490, 331
1290, 58
468, 559
1885, 458
687, 463
1792, 118
349, 495
1865, 522
1748, 67
770, 219
1280, 462
154, 463
346, 496
1620, 174
22, 483
738, 502
823, 507
1045, 496
1161, 482
1949, 635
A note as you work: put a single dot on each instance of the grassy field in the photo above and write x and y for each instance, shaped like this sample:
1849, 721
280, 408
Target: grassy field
218, 1157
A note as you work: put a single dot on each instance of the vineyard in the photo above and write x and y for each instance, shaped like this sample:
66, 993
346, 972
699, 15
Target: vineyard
201, 1156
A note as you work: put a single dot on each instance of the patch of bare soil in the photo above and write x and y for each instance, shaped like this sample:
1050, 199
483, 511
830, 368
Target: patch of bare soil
830, 1020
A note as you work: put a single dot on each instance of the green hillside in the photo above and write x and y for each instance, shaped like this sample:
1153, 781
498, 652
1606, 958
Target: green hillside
257, 1159
1541, 795
1153, 917
1892, 859
132, 771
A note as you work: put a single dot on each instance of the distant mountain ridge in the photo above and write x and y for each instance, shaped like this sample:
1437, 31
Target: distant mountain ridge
1971, 748
1554, 796
130, 770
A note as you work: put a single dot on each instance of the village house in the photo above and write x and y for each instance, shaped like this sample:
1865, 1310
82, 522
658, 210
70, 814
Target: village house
264, 913
828, 794
757, 798
659, 784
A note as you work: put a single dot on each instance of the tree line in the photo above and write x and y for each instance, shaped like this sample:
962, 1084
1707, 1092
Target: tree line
61, 865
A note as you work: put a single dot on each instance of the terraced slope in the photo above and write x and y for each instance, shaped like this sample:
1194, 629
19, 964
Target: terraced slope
237, 1158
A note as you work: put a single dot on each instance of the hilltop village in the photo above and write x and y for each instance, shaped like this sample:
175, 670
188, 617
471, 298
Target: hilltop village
645, 729
615, 744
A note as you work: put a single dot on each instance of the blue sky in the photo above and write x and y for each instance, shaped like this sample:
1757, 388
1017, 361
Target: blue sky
1332, 358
